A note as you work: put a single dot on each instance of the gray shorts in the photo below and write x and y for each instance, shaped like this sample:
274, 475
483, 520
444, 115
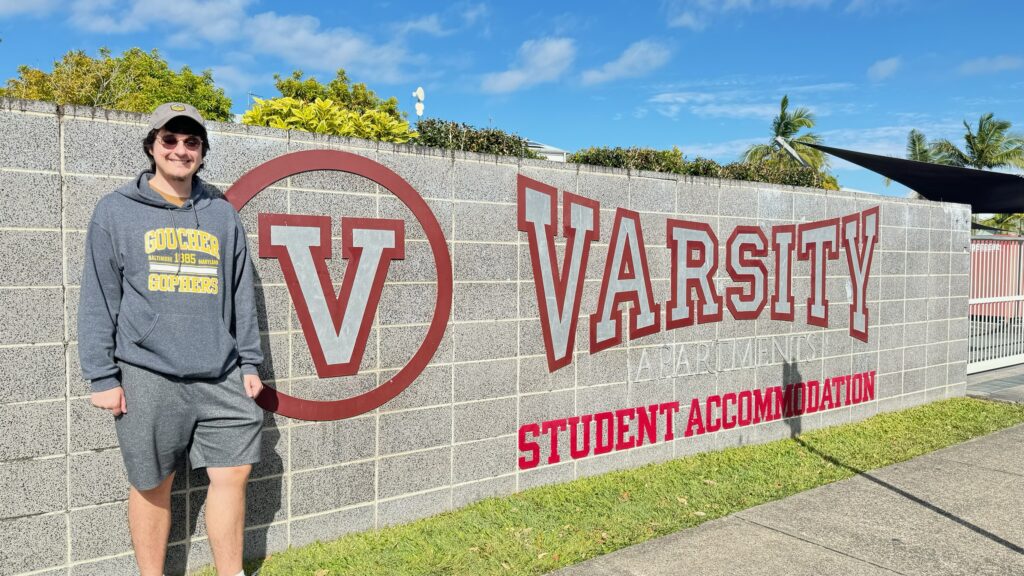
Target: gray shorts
211, 420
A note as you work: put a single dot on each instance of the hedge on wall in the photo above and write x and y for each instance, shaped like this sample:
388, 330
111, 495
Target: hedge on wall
632, 158
458, 136
673, 161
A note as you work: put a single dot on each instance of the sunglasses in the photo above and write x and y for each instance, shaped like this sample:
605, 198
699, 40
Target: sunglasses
170, 141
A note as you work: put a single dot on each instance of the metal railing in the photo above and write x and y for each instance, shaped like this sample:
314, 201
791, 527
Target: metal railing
996, 305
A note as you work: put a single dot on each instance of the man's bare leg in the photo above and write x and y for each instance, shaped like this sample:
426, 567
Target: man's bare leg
225, 516
149, 519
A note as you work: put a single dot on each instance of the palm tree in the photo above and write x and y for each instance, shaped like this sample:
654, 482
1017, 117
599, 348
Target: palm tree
786, 125
991, 146
918, 148
1008, 222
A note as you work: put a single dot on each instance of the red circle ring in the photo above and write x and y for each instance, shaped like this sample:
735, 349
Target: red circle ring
260, 178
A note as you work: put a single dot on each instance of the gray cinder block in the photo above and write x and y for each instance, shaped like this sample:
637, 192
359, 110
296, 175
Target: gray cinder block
413, 472
32, 487
32, 200
32, 373
33, 543
31, 315
100, 531
32, 430
484, 419
328, 489
415, 429
31, 143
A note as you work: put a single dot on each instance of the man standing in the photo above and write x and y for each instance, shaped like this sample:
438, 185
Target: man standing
169, 340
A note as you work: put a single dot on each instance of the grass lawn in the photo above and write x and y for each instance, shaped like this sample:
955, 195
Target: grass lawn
545, 528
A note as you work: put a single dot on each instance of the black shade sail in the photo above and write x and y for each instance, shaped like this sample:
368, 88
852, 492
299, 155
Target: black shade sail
985, 191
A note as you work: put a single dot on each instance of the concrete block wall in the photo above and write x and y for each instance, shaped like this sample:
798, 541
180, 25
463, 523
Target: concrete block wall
450, 438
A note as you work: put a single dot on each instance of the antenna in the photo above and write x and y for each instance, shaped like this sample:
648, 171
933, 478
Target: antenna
419, 95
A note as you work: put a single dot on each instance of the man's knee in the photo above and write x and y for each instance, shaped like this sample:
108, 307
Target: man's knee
160, 494
231, 475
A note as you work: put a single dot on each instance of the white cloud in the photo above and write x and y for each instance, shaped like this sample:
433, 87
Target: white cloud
301, 41
750, 97
9, 8
727, 151
887, 140
234, 78
683, 97
697, 14
430, 25
538, 61
639, 59
474, 12
688, 20
801, 3
760, 111
826, 87
874, 6
213, 21
884, 69
991, 65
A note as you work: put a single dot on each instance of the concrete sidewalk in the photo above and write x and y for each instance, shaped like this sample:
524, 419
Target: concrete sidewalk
959, 510
1005, 384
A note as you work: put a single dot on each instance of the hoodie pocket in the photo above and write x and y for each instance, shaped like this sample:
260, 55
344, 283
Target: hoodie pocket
138, 320
192, 345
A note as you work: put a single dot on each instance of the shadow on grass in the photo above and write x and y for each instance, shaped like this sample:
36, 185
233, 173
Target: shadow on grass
792, 374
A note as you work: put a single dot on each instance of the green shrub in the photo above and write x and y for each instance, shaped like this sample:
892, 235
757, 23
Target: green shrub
457, 136
632, 158
327, 117
776, 173
703, 167
672, 161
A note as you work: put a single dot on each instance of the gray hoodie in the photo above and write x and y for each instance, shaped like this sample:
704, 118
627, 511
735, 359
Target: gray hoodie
166, 288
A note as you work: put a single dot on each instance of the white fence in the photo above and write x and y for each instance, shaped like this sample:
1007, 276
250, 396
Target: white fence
996, 303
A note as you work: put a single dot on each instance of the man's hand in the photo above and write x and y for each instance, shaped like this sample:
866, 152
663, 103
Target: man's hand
110, 400
253, 385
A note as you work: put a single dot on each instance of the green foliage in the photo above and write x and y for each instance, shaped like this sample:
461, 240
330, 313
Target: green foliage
1013, 223
327, 117
991, 145
788, 125
778, 173
456, 136
135, 81
356, 97
543, 529
920, 150
673, 161
703, 167
632, 158
334, 108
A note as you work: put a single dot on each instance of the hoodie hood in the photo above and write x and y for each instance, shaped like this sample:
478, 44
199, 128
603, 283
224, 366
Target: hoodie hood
140, 191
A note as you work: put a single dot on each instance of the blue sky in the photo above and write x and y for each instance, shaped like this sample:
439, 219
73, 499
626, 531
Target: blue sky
703, 75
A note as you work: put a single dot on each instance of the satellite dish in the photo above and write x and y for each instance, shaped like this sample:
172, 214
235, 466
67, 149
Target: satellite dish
419, 95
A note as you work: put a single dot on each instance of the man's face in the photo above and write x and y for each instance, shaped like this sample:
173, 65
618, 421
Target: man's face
178, 156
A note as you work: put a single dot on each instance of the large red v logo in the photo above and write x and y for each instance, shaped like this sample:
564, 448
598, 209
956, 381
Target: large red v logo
336, 326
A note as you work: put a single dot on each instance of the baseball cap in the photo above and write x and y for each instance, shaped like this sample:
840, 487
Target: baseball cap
164, 113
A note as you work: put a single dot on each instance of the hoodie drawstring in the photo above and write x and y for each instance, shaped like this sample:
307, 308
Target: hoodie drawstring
174, 226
